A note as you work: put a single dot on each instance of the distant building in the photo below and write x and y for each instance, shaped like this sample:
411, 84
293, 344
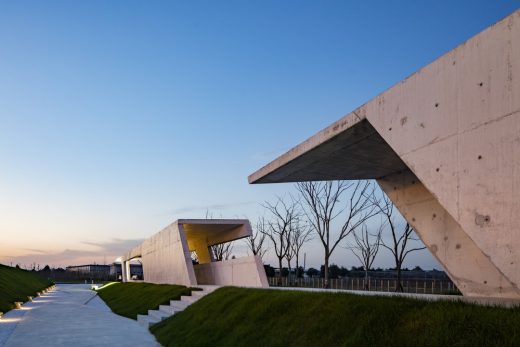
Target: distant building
102, 272
90, 271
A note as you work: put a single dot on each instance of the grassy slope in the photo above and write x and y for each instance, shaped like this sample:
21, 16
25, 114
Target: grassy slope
255, 317
131, 299
17, 284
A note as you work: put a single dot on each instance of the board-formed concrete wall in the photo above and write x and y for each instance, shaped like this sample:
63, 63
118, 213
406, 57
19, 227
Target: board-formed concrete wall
244, 272
166, 256
444, 144
165, 259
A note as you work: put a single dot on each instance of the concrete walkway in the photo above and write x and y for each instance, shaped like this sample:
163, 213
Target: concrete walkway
70, 316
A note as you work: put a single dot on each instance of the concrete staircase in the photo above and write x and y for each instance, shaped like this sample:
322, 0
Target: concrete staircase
165, 311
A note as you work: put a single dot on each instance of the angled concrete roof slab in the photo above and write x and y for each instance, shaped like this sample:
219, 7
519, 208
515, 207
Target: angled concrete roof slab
348, 149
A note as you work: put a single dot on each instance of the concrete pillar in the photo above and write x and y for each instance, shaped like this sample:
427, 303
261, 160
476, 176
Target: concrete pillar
470, 269
125, 271
123, 275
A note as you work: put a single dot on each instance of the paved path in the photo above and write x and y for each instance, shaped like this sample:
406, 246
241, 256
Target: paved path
70, 316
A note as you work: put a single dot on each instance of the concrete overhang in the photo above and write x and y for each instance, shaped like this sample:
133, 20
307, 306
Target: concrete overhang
214, 231
350, 149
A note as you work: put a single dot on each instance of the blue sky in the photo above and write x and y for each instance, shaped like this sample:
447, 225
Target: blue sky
120, 117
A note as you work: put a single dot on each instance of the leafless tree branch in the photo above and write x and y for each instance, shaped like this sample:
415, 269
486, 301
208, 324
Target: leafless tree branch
323, 204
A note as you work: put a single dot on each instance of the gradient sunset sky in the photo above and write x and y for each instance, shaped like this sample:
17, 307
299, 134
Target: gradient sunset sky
119, 117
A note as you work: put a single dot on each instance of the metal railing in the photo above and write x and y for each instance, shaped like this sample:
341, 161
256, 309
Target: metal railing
420, 286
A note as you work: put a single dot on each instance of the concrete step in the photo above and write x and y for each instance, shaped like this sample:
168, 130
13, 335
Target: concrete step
189, 299
179, 305
204, 290
199, 293
208, 287
167, 309
146, 320
158, 314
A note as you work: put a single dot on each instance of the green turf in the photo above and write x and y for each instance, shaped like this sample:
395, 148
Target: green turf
131, 299
255, 317
17, 284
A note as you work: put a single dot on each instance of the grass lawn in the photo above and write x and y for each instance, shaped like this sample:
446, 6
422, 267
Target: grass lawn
255, 317
17, 284
131, 299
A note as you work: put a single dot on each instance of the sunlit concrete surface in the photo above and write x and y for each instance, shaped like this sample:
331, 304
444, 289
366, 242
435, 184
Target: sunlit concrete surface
70, 316
166, 256
444, 144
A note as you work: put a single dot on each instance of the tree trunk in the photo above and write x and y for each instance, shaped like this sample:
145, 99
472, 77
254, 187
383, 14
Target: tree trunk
289, 275
399, 285
326, 272
280, 272
366, 279
297, 267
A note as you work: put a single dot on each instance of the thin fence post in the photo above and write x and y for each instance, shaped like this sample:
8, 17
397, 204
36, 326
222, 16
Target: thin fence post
416, 286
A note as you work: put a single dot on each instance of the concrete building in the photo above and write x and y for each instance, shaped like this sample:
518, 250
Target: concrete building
166, 256
89, 271
444, 144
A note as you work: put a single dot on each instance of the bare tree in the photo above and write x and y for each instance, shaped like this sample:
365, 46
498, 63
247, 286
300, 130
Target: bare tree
256, 242
366, 247
301, 235
322, 204
399, 243
284, 215
222, 251
297, 231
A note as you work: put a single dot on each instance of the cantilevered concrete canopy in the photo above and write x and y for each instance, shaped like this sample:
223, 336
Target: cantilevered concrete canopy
348, 149
444, 144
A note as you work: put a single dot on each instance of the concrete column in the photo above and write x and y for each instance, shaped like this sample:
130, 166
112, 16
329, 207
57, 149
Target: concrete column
123, 275
470, 269
125, 271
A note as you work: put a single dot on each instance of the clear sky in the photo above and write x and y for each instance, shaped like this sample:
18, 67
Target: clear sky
116, 118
